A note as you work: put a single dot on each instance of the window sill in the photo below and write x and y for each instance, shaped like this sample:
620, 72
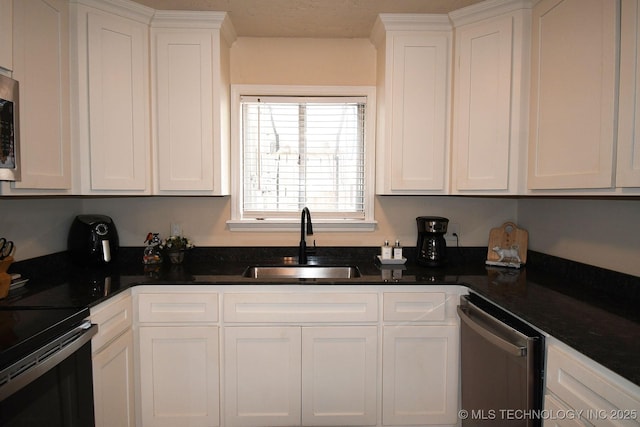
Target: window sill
272, 225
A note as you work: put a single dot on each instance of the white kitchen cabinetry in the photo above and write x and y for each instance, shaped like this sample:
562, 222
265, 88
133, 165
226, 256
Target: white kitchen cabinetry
291, 374
41, 66
491, 97
573, 94
420, 359
112, 359
6, 34
599, 396
190, 98
628, 165
110, 41
413, 101
179, 358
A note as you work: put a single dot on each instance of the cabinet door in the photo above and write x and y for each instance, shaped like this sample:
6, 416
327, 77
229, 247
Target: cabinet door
420, 375
6, 34
41, 65
118, 82
113, 383
419, 105
555, 409
628, 165
573, 94
179, 376
585, 386
183, 70
485, 144
339, 367
262, 376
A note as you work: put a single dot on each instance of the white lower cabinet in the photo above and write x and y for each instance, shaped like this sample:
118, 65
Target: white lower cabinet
420, 375
308, 358
178, 357
579, 388
297, 356
113, 389
262, 375
290, 375
113, 363
179, 376
420, 359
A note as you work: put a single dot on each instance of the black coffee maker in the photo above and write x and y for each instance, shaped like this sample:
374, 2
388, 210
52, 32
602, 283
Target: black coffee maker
432, 247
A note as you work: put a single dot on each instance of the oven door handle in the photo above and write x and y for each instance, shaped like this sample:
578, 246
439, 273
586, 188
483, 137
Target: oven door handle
512, 349
40, 362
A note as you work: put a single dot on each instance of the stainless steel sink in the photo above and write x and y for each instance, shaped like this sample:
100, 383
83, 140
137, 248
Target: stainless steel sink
301, 272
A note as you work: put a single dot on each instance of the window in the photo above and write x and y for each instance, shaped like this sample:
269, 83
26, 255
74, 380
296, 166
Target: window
302, 146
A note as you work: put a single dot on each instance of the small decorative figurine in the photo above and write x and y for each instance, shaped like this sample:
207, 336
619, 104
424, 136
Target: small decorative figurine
152, 253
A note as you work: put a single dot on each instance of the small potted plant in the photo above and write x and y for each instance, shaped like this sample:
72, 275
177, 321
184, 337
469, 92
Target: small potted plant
175, 247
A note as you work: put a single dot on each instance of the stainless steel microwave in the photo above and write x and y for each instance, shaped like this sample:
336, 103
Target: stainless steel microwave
9, 130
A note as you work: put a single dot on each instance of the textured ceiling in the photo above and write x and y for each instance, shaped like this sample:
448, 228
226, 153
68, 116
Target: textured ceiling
308, 18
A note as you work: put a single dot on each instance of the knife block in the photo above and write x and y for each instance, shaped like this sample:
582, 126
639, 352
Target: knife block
5, 278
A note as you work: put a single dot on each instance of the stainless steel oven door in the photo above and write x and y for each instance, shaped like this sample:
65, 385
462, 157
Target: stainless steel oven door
52, 386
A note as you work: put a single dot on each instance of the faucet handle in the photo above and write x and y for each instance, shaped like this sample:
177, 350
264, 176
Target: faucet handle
312, 250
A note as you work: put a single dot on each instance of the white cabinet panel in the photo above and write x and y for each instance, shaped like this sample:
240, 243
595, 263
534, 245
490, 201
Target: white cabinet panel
41, 66
179, 376
420, 375
301, 307
414, 53
178, 307
6, 34
586, 387
113, 317
414, 306
490, 107
113, 383
556, 414
118, 103
190, 96
339, 371
262, 376
111, 104
113, 364
573, 94
184, 73
628, 165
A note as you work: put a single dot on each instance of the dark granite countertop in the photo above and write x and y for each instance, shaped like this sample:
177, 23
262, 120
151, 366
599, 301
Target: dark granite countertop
592, 310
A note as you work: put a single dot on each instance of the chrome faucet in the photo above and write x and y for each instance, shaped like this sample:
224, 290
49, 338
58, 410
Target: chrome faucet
302, 254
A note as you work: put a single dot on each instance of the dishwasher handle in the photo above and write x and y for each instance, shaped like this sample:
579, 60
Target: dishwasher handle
513, 349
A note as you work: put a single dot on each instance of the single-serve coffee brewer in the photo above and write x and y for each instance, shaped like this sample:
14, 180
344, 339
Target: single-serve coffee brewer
432, 247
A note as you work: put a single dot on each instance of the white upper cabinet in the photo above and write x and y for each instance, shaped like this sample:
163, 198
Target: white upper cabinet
413, 100
6, 34
190, 99
41, 66
628, 165
573, 94
490, 107
112, 133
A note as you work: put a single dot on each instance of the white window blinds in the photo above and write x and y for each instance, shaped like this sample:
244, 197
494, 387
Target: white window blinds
303, 151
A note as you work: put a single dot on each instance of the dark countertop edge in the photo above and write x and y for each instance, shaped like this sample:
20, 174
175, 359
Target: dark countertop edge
554, 295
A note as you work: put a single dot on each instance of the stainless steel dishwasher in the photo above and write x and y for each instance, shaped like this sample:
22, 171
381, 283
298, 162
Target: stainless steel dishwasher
502, 361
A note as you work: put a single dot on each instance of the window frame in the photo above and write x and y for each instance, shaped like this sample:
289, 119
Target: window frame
237, 222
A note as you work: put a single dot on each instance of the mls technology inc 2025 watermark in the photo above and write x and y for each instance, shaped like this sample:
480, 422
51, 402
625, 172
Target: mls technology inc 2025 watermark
548, 414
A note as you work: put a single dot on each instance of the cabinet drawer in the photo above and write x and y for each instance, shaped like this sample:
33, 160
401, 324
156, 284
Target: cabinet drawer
585, 388
414, 306
178, 307
291, 307
113, 317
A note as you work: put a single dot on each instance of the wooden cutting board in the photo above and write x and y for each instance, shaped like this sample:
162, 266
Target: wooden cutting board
506, 237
